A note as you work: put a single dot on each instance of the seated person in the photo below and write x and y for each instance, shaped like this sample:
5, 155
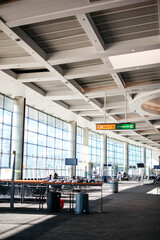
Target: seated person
49, 178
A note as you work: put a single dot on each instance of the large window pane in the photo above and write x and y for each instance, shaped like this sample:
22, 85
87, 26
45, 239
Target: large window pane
32, 125
48, 139
115, 156
7, 131
6, 112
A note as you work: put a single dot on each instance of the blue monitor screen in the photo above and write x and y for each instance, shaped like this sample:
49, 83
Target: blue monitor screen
71, 161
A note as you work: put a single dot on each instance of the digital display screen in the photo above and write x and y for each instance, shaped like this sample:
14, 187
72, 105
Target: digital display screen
140, 165
71, 161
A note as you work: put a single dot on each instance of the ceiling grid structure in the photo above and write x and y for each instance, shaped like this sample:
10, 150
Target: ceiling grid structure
76, 53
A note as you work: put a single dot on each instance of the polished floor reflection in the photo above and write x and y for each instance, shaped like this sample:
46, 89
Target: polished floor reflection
155, 191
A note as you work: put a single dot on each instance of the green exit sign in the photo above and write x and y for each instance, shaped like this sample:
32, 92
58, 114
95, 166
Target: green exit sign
114, 126
125, 126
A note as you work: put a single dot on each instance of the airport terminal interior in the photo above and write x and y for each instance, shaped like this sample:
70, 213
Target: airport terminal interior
80, 119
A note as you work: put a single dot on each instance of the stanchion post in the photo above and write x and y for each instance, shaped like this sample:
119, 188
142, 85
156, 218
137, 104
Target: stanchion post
12, 183
101, 199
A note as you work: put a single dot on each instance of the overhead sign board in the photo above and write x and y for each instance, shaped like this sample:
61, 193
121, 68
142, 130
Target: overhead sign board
156, 166
115, 126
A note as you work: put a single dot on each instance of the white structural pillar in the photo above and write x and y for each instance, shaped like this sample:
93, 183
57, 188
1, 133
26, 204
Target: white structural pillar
73, 150
126, 157
88, 168
18, 134
104, 157
144, 160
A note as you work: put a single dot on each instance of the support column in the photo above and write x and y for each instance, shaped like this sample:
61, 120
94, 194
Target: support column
104, 158
144, 160
73, 150
126, 157
104, 149
18, 134
86, 154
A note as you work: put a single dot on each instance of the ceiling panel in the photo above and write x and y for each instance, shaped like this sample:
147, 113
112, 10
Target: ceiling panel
97, 82
52, 86
58, 35
9, 48
81, 64
127, 23
149, 76
65, 54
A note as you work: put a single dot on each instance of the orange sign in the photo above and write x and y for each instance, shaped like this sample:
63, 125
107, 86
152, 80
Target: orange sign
105, 126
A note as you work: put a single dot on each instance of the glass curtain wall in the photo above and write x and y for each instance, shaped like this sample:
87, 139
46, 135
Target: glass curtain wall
79, 151
6, 115
95, 145
148, 161
47, 144
115, 156
134, 156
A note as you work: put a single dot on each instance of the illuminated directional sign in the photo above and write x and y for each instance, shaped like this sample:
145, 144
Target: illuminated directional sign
115, 126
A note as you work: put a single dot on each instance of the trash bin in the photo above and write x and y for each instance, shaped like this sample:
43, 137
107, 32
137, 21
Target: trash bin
53, 201
82, 203
114, 187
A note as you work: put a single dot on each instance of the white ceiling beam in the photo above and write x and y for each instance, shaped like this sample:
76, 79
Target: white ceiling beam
81, 108
121, 85
114, 105
36, 77
87, 71
61, 95
91, 31
126, 132
13, 76
47, 76
142, 128
33, 49
8, 73
77, 86
138, 137
62, 104
46, 10
119, 111
87, 53
89, 113
131, 119
94, 36
73, 55
35, 88
101, 120
19, 62
100, 93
